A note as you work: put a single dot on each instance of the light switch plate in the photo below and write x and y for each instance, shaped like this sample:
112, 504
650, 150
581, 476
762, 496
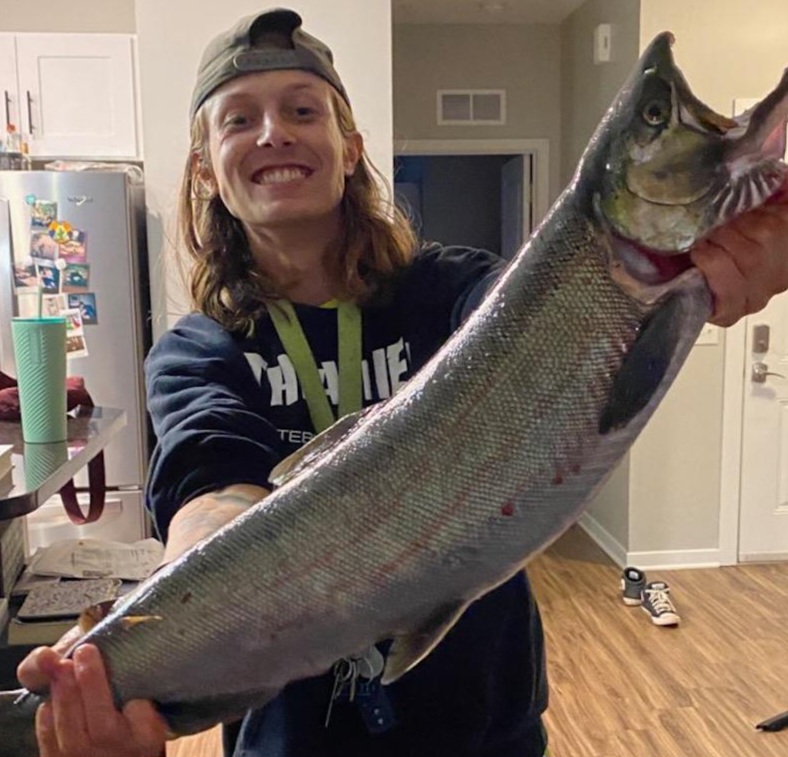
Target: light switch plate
710, 334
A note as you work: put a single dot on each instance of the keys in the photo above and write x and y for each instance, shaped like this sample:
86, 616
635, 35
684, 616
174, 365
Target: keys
347, 672
344, 673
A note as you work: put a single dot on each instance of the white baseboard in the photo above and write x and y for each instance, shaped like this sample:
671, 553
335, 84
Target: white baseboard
664, 560
606, 541
764, 557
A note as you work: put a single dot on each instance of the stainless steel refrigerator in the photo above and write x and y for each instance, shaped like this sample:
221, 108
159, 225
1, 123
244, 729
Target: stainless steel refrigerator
76, 239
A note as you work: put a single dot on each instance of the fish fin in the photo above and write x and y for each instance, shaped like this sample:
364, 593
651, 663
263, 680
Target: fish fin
93, 615
410, 649
293, 464
186, 718
18, 723
644, 366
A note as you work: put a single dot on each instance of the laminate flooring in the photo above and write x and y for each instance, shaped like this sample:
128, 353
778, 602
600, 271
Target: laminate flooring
622, 687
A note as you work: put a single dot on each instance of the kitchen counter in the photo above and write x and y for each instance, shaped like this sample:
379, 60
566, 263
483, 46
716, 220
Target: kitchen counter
41, 470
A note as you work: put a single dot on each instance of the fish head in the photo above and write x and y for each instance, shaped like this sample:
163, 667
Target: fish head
664, 169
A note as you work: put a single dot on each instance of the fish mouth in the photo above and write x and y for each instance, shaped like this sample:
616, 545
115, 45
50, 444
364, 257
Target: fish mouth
679, 169
647, 265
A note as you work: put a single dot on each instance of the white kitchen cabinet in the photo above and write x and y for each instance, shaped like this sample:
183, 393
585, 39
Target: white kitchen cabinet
75, 93
9, 88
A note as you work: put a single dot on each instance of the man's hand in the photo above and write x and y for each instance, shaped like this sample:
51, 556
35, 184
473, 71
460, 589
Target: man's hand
80, 718
745, 262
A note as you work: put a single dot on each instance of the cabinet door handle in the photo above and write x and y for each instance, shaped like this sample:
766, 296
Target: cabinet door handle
7, 101
30, 112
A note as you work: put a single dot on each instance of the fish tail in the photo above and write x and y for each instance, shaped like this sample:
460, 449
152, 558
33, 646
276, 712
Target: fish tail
18, 723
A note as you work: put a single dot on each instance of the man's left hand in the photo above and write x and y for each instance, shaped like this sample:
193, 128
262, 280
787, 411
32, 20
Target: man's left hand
745, 262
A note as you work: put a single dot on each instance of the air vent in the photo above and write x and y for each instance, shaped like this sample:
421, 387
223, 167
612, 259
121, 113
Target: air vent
471, 107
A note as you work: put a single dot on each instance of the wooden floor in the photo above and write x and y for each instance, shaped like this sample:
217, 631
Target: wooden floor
623, 687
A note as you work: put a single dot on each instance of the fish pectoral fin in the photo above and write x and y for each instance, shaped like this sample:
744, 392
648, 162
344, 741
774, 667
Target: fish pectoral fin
410, 649
131, 621
644, 366
293, 464
90, 617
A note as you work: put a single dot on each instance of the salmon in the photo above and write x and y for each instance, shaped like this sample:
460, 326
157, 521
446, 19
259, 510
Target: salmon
393, 521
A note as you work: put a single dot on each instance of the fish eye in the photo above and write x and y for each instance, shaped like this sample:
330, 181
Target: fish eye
656, 113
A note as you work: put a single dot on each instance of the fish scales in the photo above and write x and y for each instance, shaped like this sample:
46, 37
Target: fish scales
390, 524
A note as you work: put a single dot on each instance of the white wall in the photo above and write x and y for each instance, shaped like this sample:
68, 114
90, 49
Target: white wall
171, 36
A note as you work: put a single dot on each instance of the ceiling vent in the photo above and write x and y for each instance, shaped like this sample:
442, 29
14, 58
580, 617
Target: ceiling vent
471, 107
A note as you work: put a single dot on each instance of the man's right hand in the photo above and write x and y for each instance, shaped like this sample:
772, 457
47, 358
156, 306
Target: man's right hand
80, 718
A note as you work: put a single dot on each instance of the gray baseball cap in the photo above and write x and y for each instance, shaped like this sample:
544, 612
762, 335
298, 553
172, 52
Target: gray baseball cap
267, 41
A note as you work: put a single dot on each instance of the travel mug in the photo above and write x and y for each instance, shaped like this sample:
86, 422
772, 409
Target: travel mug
40, 356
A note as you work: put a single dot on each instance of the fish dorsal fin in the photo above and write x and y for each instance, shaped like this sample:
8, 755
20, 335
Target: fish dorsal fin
644, 366
410, 649
293, 464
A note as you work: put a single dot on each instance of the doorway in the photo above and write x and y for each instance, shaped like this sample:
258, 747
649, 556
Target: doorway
482, 193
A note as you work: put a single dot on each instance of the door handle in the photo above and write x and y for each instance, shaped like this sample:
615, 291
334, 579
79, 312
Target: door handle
760, 371
7, 100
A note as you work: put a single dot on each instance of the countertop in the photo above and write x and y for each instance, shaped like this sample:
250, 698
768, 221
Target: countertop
40, 470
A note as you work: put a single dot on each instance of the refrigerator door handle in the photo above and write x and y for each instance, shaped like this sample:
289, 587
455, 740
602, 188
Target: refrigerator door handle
6, 288
7, 101
29, 113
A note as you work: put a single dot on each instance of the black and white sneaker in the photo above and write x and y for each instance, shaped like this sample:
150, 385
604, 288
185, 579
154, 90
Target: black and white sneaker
656, 602
633, 582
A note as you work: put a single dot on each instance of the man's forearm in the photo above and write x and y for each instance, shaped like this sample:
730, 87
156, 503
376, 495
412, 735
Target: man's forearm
206, 514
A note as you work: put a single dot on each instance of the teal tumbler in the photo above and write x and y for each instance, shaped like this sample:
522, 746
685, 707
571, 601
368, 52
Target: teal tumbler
40, 356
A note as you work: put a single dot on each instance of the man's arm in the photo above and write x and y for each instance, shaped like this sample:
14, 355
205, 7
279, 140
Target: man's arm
206, 514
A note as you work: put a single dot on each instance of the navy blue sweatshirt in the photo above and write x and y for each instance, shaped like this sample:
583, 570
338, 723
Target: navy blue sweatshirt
226, 409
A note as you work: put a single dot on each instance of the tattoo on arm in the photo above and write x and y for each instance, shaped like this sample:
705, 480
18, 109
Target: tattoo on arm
207, 514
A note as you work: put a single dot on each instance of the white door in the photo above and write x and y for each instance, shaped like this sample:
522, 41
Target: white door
77, 94
9, 90
763, 512
763, 504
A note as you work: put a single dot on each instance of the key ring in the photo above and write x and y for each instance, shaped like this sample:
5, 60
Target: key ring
344, 670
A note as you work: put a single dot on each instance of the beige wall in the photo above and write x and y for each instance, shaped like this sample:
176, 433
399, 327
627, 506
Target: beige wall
586, 93
666, 506
171, 36
738, 51
588, 89
71, 16
522, 59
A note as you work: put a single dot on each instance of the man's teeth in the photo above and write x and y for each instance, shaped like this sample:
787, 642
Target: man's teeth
279, 175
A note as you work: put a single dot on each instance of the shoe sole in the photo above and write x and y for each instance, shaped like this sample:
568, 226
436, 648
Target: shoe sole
632, 602
668, 619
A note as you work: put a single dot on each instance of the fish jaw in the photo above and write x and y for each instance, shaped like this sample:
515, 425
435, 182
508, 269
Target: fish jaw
670, 169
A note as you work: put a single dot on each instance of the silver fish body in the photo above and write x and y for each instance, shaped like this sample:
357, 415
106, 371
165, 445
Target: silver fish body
392, 523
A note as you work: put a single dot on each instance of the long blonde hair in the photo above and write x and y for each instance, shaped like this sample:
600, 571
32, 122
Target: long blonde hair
224, 281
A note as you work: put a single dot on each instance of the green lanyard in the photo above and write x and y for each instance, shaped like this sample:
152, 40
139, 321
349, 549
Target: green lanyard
297, 348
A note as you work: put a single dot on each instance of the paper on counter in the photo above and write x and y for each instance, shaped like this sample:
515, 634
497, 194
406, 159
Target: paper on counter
96, 558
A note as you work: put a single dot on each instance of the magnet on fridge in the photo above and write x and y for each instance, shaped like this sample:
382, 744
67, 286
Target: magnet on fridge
42, 212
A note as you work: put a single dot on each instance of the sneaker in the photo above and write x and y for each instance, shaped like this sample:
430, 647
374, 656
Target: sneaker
656, 602
633, 582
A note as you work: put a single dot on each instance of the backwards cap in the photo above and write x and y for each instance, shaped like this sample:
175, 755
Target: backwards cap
268, 41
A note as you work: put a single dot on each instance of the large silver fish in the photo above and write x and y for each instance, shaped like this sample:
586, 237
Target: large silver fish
392, 523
